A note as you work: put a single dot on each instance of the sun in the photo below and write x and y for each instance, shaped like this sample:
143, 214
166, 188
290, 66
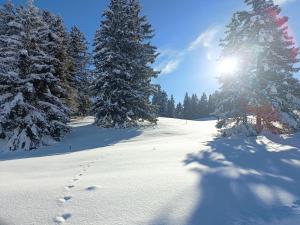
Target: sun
228, 66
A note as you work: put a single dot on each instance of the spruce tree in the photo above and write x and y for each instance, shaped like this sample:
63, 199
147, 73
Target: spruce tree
203, 105
122, 57
211, 105
78, 51
195, 114
9, 45
171, 107
187, 107
179, 111
266, 87
31, 112
160, 102
63, 62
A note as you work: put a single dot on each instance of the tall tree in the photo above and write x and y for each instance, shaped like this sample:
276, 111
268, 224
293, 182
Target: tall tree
31, 112
179, 111
171, 107
63, 62
9, 44
122, 56
78, 50
259, 38
187, 107
160, 102
194, 107
203, 105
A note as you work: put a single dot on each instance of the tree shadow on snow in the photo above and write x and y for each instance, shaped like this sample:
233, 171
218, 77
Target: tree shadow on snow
81, 138
243, 182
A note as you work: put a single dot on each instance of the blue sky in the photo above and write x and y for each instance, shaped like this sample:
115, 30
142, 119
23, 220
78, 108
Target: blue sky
187, 35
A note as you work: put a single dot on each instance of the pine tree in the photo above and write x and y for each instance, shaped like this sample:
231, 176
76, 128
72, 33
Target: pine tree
179, 111
267, 89
211, 105
78, 50
31, 112
9, 43
203, 105
171, 107
122, 57
187, 107
195, 114
63, 64
160, 102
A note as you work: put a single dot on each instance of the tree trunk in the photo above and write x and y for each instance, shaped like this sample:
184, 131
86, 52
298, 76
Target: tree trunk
258, 123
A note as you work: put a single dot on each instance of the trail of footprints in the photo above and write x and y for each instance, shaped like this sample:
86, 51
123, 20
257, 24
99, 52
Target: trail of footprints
62, 218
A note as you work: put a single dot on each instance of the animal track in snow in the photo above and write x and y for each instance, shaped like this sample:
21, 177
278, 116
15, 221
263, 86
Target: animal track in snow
91, 188
64, 199
62, 218
69, 187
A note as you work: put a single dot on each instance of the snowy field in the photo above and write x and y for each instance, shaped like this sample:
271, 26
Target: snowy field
177, 173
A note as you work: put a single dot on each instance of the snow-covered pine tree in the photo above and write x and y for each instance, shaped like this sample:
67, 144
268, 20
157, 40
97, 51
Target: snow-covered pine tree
195, 111
160, 101
78, 51
259, 38
63, 62
122, 57
230, 109
171, 107
143, 54
187, 107
179, 111
30, 109
9, 43
203, 105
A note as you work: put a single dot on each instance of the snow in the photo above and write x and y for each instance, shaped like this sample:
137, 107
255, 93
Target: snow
175, 173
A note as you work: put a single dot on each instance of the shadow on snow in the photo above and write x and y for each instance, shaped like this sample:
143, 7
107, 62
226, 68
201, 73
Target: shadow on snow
243, 182
82, 138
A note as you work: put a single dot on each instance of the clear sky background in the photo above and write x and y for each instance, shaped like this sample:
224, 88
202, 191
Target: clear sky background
187, 34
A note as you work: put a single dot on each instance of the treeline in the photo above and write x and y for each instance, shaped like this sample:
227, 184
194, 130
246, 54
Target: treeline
193, 107
46, 76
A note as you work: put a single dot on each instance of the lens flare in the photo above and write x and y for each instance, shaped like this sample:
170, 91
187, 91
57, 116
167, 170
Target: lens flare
228, 66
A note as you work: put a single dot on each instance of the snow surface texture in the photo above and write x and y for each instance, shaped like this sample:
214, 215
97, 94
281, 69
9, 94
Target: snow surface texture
177, 173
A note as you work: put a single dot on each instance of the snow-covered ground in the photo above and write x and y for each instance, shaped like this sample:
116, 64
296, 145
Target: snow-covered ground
177, 173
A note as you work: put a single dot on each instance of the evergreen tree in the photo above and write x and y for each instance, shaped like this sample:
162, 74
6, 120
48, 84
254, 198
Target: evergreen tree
211, 105
179, 111
9, 43
63, 62
78, 50
266, 86
203, 105
187, 107
194, 114
31, 112
160, 102
171, 107
122, 57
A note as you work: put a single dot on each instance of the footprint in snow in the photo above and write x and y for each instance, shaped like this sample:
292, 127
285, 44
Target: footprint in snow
62, 218
91, 188
69, 187
64, 199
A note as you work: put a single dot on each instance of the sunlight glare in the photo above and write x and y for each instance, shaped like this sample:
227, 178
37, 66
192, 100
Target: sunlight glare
228, 66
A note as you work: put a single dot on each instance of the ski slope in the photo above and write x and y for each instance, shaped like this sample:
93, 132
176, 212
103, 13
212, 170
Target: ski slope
176, 173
